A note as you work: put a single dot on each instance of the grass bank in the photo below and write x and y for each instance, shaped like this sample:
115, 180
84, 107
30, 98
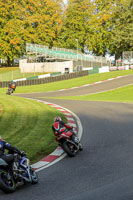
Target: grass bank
27, 124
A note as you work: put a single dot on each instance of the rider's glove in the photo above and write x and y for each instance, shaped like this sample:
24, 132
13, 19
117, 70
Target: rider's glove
71, 127
22, 153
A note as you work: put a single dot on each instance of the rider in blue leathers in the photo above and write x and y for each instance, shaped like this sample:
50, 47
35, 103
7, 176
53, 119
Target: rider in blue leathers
10, 158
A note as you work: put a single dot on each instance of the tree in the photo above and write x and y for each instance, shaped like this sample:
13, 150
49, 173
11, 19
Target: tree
46, 22
99, 26
10, 29
33, 21
110, 27
122, 31
74, 24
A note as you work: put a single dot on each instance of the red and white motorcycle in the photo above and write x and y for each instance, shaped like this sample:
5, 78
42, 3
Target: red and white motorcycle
69, 142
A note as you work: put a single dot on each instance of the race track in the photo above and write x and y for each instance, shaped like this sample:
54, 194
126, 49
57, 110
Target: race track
104, 169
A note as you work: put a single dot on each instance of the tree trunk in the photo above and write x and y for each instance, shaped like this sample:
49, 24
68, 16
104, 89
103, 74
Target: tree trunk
9, 61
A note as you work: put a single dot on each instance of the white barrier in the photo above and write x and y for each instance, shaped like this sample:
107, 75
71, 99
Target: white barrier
104, 69
44, 75
127, 67
21, 79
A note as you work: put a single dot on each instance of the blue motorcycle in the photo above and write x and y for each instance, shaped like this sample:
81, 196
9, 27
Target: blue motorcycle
10, 179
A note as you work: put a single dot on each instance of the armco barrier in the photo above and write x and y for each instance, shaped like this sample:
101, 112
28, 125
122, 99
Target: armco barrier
46, 80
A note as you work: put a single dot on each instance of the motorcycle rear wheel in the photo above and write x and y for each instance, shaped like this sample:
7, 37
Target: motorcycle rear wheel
68, 150
6, 185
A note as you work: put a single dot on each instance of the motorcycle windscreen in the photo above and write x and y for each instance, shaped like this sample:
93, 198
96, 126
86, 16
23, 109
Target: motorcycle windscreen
2, 162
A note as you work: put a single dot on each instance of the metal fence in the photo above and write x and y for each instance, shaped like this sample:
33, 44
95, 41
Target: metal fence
46, 80
127, 54
16, 74
127, 57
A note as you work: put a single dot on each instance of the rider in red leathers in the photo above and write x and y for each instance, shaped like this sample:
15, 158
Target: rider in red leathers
12, 85
59, 127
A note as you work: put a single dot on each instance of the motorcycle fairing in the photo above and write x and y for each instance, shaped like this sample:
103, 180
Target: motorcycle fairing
68, 133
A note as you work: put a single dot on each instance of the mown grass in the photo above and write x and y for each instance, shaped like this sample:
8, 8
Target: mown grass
27, 124
123, 94
71, 82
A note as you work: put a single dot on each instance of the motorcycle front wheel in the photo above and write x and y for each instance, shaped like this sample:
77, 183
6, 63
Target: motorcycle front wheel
9, 92
34, 176
7, 184
69, 149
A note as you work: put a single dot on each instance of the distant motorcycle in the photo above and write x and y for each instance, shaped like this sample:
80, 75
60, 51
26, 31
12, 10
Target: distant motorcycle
11, 88
9, 179
68, 145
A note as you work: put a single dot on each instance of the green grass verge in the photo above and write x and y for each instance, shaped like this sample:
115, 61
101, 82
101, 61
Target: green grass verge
123, 94
27, 124
71, 82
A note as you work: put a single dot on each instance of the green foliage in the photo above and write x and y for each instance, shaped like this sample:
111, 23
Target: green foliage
111, 26
10, 29
122, 31
30, 21
99, 25
75, 24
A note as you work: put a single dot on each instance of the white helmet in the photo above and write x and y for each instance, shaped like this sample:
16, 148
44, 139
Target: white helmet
56, 119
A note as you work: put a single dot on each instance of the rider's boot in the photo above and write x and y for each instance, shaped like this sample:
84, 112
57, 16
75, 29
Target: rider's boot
78, 143
75, 139
80, 146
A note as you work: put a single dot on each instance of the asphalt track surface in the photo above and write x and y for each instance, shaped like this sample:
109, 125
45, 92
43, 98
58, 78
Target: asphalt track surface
104, 169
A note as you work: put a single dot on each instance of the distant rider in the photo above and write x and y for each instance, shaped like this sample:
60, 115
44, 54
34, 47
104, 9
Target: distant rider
12, 85
10, 158
59, 127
